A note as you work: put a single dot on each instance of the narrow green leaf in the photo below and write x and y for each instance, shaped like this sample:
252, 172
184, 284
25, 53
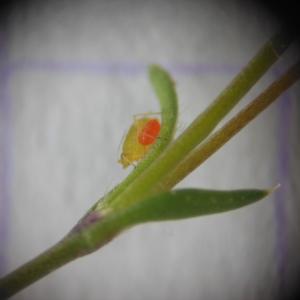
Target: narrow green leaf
164, 88
177, 204
172, 205
187, 203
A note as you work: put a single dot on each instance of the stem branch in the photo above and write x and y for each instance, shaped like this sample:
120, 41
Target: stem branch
232, 127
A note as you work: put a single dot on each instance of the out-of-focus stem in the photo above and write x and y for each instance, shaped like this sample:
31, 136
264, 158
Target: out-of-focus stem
232, 127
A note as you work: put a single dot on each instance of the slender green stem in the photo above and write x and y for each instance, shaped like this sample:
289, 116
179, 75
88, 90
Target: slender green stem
40, 266
231, 128
73, 246
70, 248
150, 181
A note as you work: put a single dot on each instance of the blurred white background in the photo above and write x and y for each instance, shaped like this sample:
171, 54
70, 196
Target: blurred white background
76, 74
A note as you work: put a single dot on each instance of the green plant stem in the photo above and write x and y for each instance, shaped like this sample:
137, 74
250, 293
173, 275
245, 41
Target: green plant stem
150, 181
231, 128
52, 259
101, 232
70, 248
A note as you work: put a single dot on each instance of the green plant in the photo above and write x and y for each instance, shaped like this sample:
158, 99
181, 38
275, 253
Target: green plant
146, 195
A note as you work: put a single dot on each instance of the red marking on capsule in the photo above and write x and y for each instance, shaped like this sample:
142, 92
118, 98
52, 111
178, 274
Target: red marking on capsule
149, 133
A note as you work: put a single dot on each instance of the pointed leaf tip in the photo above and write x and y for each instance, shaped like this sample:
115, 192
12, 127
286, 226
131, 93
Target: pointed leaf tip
187, 203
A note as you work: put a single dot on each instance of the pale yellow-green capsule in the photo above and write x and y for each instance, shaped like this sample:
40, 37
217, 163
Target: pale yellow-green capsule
140, 137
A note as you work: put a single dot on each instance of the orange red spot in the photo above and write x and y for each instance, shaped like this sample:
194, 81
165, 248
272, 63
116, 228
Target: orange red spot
149, 132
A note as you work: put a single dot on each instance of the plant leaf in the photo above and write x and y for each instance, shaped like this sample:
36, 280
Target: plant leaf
164, 88
172, 205
187, 203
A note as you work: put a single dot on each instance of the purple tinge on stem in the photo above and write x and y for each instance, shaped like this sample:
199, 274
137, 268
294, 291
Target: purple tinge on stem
89, 219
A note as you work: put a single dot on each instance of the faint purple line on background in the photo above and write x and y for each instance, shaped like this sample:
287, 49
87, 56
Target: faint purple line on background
284, 108
122, 68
